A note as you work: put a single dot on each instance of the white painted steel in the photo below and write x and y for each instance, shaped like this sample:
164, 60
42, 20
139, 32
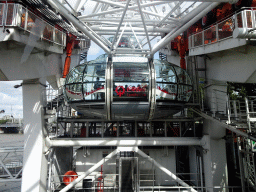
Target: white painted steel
164, 41
9, 180
173, 176
231, 128
81, 26
119, 26
5, 168
139, 141
97, 165
34, 174
145, 28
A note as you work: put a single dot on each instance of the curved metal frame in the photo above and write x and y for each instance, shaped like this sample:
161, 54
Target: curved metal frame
152, 83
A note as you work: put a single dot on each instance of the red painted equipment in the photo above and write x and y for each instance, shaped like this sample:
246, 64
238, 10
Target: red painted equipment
70, 45
182, 51
100, 181
69, 177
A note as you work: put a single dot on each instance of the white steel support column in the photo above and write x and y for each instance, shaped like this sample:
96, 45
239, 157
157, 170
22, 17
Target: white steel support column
214, 159
34, 162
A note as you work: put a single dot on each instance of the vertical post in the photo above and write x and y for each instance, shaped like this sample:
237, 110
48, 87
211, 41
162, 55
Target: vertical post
241, 164
136, 129
165, 129
34, 176
228, 109
120, 174
235, 109
150, 129
102, 129
214, 103
72, 129
117, 131
201, 173
87, 129
248, 113
217, 32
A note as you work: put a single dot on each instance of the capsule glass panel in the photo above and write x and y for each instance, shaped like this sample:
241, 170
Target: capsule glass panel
182, 76
130, 81
172, 82
73, 86
74, 92
94, 79
166, 81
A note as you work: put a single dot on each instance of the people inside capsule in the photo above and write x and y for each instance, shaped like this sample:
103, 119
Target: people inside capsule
130, 82
97, 86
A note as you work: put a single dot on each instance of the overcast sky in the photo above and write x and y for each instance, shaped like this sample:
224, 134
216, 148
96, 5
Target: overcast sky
11, 99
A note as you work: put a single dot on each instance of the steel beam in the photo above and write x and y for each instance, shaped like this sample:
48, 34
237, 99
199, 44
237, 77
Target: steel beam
145, 27
130, 8
162, 168
136, 29
119, 26
231, 128
166, 40
136, 141
9, 180
6, 169
80, 25
93, 168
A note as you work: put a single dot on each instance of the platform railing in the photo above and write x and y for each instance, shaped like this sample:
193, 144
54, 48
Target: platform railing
223, 29
16, 15
11, 163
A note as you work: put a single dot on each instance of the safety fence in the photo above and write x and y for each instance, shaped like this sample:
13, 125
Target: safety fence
224, 29
11, 163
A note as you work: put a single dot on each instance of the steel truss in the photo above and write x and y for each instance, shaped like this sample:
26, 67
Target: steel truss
116, 152
11, 163
142, 20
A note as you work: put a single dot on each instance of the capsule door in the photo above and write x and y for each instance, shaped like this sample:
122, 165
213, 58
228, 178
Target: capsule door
130, 88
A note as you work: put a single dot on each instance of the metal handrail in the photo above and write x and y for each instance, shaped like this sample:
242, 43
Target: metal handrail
223, 29
16, 15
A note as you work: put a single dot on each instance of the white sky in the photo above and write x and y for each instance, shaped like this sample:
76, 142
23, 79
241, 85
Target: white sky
11, 99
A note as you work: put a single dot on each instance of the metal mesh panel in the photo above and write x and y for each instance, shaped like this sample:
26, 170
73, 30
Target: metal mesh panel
239, 20
58, 37
48, 32
10, 14
210, 35
198, 39
23, 18
2, 8
225, 29
249, 19
30, 21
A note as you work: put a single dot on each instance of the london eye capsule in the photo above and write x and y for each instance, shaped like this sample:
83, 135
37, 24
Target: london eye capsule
127, 88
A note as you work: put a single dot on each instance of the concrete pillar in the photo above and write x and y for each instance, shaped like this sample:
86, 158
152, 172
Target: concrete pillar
34, 161
214, 157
